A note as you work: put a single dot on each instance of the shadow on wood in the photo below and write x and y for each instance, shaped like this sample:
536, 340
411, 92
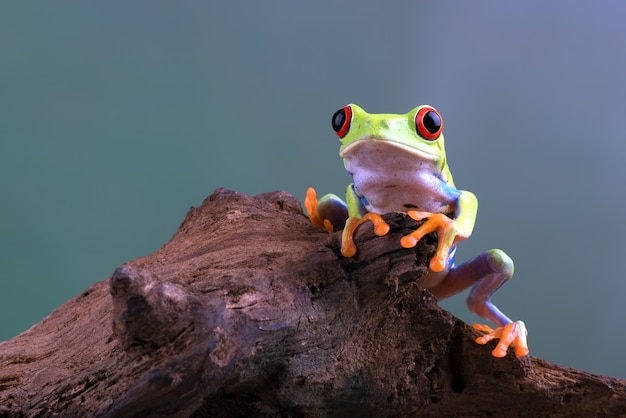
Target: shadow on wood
249, 310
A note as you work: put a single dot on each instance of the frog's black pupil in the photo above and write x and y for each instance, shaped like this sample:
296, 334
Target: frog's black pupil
339, 118
432, 122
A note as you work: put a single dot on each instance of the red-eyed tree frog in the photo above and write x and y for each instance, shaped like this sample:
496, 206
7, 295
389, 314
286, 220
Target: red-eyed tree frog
398, 164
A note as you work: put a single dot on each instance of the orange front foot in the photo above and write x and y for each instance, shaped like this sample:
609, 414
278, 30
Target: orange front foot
310, 204
446, 233
348, 247
513, 335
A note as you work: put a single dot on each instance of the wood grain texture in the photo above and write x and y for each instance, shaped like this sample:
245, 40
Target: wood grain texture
249, 310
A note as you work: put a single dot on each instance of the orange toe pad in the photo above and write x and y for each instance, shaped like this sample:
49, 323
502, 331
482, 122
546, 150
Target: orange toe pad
510, 335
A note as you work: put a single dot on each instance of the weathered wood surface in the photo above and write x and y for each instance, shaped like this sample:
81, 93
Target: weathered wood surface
249, 310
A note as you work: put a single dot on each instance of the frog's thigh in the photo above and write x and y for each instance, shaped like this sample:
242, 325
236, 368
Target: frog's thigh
494, 266
334, 209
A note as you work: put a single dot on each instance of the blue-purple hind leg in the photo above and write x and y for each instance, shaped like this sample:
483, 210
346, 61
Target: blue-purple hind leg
486, 273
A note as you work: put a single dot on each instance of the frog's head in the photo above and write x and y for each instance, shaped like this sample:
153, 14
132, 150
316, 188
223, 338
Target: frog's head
419, 132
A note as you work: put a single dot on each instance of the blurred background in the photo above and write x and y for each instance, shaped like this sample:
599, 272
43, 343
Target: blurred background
117, 117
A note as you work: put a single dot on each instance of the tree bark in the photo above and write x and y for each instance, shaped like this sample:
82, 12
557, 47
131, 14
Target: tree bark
250, 310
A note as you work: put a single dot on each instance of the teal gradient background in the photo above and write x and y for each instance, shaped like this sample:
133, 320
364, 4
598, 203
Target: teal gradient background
116, 117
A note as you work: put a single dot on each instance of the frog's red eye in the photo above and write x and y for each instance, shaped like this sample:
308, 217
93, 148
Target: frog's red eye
341, 121
429, 123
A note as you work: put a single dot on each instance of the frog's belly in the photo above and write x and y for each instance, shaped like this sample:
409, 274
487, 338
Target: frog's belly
392, 179
397, 194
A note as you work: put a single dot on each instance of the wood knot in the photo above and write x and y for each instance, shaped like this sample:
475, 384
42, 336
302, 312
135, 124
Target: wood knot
146, 313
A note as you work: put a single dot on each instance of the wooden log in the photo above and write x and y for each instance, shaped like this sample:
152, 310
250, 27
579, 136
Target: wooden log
250, 310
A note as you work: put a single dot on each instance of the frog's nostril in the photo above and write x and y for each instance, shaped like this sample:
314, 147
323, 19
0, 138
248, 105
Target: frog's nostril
386, 123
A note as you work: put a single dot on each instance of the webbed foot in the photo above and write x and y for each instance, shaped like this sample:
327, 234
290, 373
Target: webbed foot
512, 334
348, 247
446, 233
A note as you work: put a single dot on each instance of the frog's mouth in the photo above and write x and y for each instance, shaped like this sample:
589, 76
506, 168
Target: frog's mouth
375, 144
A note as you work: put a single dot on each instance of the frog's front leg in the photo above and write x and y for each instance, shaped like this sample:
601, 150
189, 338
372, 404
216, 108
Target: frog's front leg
357, 214
449, 231
348, 247
486, 273
332, 214
447, 234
